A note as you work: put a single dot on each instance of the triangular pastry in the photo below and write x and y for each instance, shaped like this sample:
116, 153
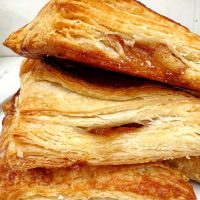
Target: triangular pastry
81, 115
118, 35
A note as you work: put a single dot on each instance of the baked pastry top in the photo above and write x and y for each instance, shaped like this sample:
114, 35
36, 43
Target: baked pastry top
118, 35
131, 182
81, 115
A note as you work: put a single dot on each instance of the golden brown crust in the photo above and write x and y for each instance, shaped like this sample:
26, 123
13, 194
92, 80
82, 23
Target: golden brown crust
189, 166
147, 181
117, 123
135, 40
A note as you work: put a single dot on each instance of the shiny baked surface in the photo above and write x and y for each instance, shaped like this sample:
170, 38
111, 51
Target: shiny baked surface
122, 36
62, 118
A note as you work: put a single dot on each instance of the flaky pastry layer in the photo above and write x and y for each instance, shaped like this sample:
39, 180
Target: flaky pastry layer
118, 35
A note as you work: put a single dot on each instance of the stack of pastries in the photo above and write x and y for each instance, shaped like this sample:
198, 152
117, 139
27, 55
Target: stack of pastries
108, 107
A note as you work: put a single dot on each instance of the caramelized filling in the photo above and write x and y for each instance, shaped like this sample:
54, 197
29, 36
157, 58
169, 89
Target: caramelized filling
127, 128
151, 59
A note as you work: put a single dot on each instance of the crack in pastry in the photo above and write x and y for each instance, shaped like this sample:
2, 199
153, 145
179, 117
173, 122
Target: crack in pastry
134, 41
126, 128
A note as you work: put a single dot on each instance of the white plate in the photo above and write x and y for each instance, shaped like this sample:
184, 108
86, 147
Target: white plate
9, 82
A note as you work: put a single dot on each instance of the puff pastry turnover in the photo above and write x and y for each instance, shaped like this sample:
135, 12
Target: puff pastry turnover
119, 35
81, 115
144, 181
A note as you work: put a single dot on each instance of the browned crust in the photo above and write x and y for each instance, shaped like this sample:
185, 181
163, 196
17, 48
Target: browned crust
152, 181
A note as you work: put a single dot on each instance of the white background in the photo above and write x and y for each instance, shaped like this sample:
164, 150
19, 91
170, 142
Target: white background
16, 13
